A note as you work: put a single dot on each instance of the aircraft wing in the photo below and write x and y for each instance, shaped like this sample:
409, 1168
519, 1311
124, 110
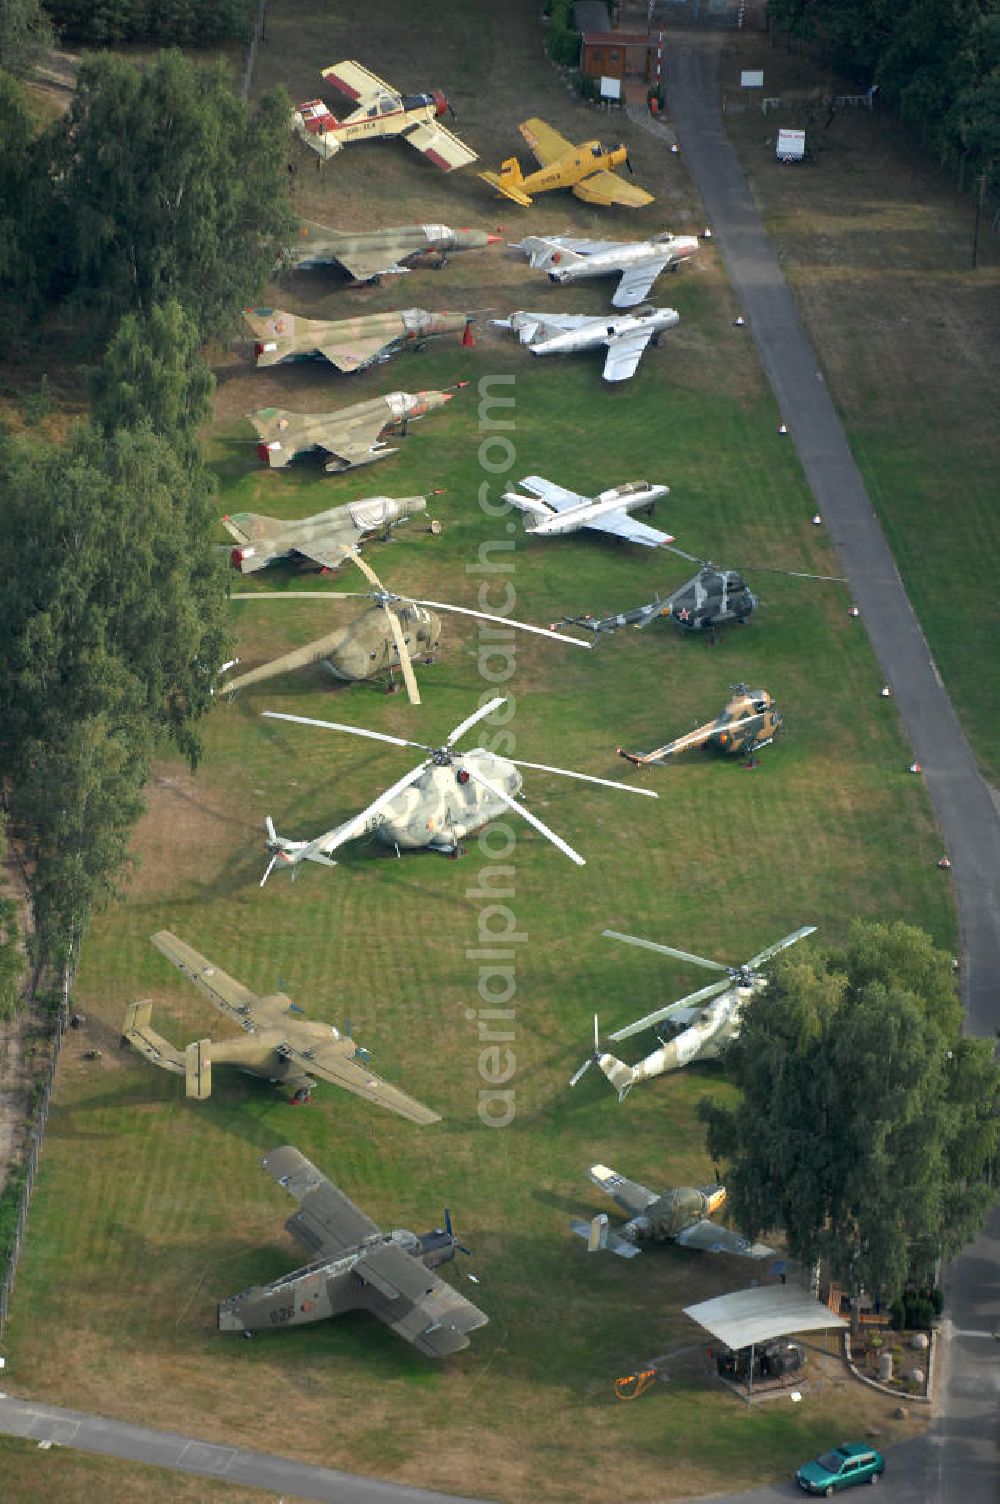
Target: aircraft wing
327, 1062
711, 1238
356, 82
440, 146
360, 352
222, 991
353, 444
637, 280
363, 265
624, 525
623, 356
327, 1221
557, 497
628, 1194
412, 1300
545, 142
604, 187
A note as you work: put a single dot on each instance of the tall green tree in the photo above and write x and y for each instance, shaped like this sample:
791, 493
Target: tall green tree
170, 186
867, 1122
153, 371
25, 34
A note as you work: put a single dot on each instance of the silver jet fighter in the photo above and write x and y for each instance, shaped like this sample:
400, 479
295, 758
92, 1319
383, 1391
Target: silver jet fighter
625, 337
355, 1266
327, 538
638, 262
446, 797
369, 255
703, 1022
677, 1216
551, 511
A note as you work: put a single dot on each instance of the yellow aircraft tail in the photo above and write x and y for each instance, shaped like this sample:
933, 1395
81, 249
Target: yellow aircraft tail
508, 182
198, 1070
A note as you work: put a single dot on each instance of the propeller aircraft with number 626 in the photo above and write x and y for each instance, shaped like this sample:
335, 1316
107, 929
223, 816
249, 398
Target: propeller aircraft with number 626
449, 795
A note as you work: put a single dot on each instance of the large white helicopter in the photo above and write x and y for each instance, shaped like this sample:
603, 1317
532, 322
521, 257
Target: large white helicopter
446, 797
703, 1021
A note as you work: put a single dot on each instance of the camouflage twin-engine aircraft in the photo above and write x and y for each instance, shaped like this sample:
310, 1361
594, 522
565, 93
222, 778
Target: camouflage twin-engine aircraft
750, 721
349, 344
380, 111
296, 1052
677, 1216
327, 538
352, 435
584, 169
354, 1266
369, 255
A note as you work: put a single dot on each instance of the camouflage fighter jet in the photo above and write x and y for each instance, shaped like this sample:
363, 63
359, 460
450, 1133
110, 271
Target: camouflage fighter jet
638, 262
446, 797
676, 1216
625, 338
584, 169
750, 721
369, 255
703, 1022
327, 538
386, 637
551, 510
354, 1266
380, 110
352, 435
349, 344
294, 1052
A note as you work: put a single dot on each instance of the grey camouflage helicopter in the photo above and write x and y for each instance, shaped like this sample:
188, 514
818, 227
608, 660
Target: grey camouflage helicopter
446, 797
388, 636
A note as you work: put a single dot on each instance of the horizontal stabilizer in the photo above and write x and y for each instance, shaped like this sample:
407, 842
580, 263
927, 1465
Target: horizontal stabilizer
600, 1240
138, 1032
198, 1070
507, 187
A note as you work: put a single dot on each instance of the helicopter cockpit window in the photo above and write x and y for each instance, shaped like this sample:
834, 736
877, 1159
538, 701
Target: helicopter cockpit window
759, 706
596, 150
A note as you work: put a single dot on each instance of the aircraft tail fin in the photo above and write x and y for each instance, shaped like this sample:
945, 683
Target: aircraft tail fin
138, 1032
508, 182
250, 527
621, 1076
600, 1239
198, 1070
544, 255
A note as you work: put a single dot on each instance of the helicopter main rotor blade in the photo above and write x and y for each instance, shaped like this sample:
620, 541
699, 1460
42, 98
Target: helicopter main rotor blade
505, 621
367, 570
608, 783
375, 736
405, 664
356, 825
578, 1075
796, 574
477, 715
659, 1014
772, 950
525, 812
666, 950
693, 558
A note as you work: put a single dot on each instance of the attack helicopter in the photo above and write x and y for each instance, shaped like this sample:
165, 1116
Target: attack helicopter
713, 598
388, 636
749, 721
449, 795
703, 1022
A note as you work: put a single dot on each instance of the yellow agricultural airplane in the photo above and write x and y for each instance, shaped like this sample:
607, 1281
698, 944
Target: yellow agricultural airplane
584, 169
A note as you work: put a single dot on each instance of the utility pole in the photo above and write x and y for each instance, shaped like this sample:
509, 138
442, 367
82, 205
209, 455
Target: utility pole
979, 210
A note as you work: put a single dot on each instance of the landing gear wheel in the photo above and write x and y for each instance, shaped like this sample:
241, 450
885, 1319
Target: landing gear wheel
455, 853
302, 1096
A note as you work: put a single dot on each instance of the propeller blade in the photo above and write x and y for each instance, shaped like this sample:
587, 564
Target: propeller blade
578, 1076
269, 868
702, 995
608, 783
505, 621
375, 736
772, 950
447, 1221
354, 827
405, 664
665, 950
477, 715
597, 1038
525, 813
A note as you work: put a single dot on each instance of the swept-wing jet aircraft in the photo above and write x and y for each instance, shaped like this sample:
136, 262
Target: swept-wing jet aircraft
677, 1216
551, 510
446, 797
327, 538
638, 263
702, 1023
280, 1047
349, 344
624, 337
380, 110
355, 1266
750, 721
585, 169
351, 435
368, 255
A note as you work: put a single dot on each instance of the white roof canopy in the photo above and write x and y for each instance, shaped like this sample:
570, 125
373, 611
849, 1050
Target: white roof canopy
761, 1315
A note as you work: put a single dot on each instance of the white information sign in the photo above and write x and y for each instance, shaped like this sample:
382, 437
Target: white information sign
611, 88
751, 80
791, 146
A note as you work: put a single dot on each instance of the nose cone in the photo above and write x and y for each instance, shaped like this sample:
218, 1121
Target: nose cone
716, 1197
230, 1319
474, 240
684, 246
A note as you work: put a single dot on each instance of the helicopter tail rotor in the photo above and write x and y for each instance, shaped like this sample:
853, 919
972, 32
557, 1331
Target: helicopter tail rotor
578, 1075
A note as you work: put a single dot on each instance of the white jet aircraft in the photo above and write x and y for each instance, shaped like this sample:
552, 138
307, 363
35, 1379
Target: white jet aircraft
550, 510
639, 262
564, 333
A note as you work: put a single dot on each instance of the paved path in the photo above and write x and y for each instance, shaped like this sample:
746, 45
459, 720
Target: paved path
277, 1475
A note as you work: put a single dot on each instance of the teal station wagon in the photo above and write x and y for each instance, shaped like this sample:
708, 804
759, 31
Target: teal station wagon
848, 1464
